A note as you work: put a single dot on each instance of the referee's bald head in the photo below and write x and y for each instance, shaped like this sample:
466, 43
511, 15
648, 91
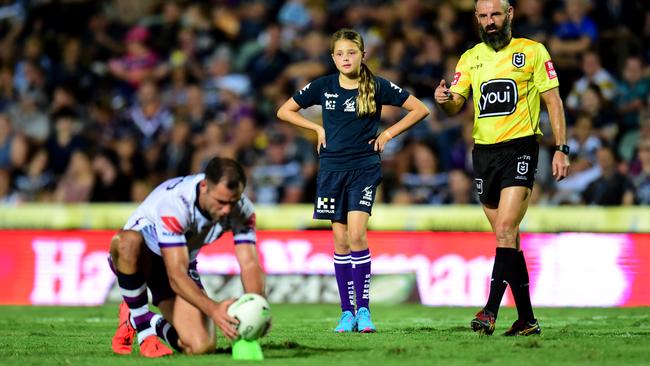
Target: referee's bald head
504, 3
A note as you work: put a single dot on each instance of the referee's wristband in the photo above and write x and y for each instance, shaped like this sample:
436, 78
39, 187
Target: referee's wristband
563, 149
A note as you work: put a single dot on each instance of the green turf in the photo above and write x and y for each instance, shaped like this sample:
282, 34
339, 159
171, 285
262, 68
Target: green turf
302, 335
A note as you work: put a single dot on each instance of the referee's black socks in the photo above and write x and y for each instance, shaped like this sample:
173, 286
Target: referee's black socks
503, 273
521, 289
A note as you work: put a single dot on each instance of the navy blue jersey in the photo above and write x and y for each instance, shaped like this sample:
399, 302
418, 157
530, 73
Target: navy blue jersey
346, 134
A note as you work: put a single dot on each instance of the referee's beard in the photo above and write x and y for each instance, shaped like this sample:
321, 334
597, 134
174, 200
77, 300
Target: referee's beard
499, 39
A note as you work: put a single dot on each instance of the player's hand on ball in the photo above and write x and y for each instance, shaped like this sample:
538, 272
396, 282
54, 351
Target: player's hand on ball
225, 322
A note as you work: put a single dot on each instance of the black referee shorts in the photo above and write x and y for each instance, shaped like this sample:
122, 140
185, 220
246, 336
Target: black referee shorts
505, 164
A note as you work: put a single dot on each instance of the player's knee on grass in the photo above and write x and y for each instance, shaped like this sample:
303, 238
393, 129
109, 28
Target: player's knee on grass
199, 346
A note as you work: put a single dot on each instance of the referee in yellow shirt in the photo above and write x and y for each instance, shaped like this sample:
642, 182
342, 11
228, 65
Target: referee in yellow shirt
507, 78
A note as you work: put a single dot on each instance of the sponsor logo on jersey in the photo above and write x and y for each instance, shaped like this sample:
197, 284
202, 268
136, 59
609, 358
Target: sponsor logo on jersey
349, 105
330, 105
518, 59
498, 98
550, 69
456, 78
325, 205
479, 185
172, 224
366, 199
392, 85
304, 88
329, 95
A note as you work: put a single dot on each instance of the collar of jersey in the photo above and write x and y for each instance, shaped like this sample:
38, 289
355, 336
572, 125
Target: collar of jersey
198, 207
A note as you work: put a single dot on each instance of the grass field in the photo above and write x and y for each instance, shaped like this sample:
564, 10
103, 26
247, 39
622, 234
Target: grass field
301, 335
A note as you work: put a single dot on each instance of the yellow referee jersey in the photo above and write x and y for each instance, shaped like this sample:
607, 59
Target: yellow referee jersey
506, 88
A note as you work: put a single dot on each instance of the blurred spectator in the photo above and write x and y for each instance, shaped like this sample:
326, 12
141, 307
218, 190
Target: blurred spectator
619, 23
139, 63
449, 27
28, 118
641, 178
592, 104
428, 66
166, 26
266, 65
530, 21
424, 182
13, 146
211, 143
628, 143
76, 184
194, 110
110, 185
130, 159
461, 150
174, 94
149, 119
633, 93
64, 141
220, 76
583, 144
71, 74
12, 24
612, 188
7, 194
36, 182
575, 32
102, 127
101, 41
278, 176
176, 155
8, 94
461, 189
31, 70
311, 59
593, 73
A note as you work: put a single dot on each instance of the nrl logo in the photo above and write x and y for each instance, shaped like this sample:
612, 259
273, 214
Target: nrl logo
518, 59
522, 167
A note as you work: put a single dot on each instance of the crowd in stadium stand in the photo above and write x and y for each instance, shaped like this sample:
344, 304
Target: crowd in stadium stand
102, 100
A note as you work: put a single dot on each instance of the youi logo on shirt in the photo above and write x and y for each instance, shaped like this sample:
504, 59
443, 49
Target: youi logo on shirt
349, 105
498, 98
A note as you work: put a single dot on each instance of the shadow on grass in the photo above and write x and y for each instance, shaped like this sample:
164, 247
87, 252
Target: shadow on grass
291, 349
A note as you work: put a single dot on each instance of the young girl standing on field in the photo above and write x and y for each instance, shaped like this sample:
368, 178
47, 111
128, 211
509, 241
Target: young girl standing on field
350, 166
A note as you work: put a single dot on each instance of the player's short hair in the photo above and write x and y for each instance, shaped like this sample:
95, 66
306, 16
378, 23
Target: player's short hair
227, 171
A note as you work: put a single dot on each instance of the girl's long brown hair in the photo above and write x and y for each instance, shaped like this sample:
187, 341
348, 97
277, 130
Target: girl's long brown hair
366, 99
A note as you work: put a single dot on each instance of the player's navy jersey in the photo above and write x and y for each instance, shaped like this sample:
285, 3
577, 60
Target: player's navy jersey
170, 217
347, 135
506, 87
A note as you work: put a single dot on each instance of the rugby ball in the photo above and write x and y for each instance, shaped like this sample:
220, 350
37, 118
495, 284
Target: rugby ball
254, 315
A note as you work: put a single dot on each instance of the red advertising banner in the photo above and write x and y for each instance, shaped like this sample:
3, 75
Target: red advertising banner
452, 269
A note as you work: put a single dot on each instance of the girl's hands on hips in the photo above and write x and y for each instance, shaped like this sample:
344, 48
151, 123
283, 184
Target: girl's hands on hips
381, 140
321, 138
